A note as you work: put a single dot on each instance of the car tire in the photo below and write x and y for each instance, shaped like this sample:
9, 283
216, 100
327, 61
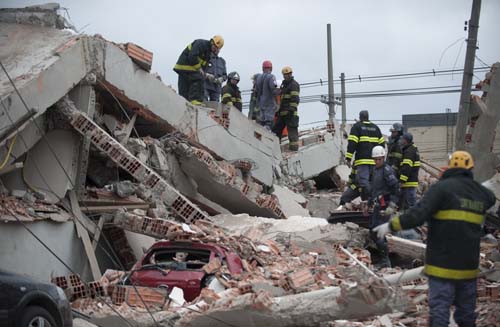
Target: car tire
33, 315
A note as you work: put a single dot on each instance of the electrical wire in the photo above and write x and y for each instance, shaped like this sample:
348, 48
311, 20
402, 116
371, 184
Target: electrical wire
383, 77
9, 151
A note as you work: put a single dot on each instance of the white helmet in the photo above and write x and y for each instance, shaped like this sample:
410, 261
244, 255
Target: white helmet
378, 151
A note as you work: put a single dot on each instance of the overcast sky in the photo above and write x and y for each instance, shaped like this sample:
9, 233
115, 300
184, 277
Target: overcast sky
369, 38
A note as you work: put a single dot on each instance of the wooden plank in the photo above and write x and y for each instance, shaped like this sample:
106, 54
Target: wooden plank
84, 235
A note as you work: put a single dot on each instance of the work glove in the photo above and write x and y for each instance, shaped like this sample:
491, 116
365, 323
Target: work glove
382, 230
348, 163
202, 72
391, 208
210, 77
219, 80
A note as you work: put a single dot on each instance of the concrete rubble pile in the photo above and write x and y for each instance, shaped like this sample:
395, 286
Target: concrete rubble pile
283, 283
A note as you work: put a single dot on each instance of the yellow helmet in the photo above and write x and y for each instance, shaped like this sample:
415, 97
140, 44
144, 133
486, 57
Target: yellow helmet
461, 159
218, 41
286, 70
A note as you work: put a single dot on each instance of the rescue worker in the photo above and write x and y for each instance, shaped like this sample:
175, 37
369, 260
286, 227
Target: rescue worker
231, 94
363, 137
267, 90
191, 64
394, 153
216, 74
253, 111
288, 116
408, 172
384, 196
454, 210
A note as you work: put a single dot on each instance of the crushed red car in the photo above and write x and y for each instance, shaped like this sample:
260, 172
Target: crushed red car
180, 264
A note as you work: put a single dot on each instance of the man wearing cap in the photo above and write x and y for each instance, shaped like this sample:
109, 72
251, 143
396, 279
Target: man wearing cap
267, 90
408, 172
190, 67
454, 210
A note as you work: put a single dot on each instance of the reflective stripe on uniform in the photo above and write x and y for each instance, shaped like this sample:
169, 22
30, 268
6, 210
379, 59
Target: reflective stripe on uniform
348, 155
294, 104
381, 140
353, 138
396, 224
450, 273
364, 162
396, 154
187, 67
460, 215
410, 184
416, 164
196, 102
294, 92
369, 139
407, 162
287, 96
404, 178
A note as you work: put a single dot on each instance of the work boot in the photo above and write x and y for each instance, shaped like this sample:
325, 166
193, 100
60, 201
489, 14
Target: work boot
293, 147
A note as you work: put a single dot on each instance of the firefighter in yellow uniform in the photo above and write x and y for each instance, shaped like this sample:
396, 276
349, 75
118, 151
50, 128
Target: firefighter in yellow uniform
454, 210
190, 67
288, 116
231, 94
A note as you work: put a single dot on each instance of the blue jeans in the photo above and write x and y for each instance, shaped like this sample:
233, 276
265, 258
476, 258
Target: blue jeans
408, 197
443, 293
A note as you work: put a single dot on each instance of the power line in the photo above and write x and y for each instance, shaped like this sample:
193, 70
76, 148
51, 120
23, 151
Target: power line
390, 76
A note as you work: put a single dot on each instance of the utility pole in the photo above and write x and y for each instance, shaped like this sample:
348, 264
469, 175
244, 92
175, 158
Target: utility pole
342, 98
463, 111
331, 99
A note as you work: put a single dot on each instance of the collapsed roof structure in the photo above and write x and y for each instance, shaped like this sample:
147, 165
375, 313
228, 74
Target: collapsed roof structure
93, 144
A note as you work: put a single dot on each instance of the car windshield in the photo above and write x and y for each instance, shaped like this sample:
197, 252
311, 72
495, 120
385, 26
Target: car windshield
178, 258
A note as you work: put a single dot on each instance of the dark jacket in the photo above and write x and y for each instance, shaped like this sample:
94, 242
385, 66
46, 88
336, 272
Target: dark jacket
410, 165
383, 182
290, 96
363, 137
394, 153
217, 67
195, 56
454, 210
231, 95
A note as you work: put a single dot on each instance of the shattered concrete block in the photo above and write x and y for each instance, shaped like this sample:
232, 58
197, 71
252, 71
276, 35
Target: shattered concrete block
213, 266
124, 188
76, 292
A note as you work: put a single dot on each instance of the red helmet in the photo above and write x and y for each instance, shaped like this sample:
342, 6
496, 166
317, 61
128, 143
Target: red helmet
267, 64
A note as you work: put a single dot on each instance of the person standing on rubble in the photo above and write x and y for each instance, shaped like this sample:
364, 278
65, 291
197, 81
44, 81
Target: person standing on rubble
408, 172
231, 94
253, 111
287, 114
454, 210
267, 90
363, 137
394, 153
190, 67
216, 74
384, 196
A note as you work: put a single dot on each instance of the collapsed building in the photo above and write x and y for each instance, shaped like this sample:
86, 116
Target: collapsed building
99, 159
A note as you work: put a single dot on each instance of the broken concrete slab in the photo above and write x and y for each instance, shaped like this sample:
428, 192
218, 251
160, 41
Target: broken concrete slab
292, 204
